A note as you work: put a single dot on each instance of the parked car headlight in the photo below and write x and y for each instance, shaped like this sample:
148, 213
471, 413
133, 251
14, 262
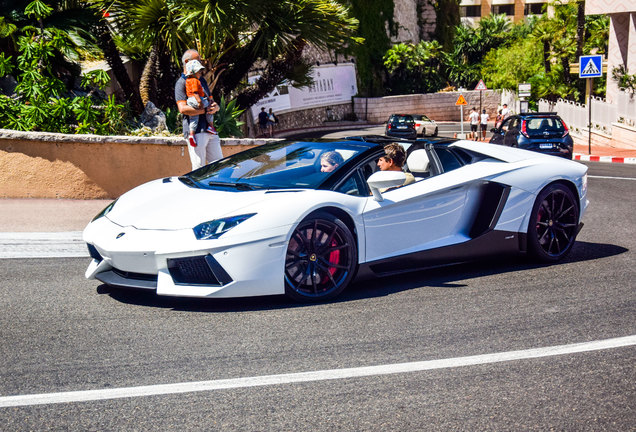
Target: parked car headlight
215, 228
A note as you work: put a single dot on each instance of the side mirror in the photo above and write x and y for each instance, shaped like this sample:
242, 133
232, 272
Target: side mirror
385, 180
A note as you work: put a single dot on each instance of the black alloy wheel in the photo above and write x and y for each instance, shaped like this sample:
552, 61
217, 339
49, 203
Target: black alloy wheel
553, 224
321, 259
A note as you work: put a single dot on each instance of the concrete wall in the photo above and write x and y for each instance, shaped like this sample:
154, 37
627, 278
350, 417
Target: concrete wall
50, 165
438, 106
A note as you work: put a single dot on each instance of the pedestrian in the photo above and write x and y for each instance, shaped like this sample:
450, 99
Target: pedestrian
207, 146
473, 117
197, 99
484, 124
262, 121
505, 112
498, 119
271, 121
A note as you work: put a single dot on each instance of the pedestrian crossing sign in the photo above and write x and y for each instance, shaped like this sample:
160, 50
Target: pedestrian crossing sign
461, 100
590, 66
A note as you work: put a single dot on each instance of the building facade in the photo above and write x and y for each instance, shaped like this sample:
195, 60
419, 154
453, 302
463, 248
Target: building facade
471, 11
622, 37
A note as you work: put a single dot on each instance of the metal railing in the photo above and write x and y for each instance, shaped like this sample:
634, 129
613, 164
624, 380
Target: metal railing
604, 114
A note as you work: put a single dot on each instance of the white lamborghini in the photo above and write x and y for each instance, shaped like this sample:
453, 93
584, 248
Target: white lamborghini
268, 221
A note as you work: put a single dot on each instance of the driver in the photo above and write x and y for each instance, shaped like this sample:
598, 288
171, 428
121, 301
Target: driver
393, 160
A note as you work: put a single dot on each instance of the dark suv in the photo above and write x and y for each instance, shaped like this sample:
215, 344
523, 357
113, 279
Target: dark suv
540, 132
401, 126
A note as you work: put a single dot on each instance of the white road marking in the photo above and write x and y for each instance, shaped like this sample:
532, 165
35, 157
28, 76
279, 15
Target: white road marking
611, 178
42, 245
333, 374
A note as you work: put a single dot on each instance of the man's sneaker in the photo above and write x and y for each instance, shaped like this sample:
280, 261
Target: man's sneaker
192, 141
211, 130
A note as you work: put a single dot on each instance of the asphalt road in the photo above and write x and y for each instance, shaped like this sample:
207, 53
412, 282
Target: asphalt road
60, 333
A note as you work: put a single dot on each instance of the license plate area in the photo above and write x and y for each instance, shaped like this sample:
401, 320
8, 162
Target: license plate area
545, 146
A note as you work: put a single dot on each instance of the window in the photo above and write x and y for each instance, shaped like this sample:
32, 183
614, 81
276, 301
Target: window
534, 8
470, 11
448, 160
508, 9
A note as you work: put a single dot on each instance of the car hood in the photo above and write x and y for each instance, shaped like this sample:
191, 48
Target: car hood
171, 205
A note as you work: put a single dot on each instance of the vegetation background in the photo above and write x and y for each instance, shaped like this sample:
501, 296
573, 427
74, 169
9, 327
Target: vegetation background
43, 44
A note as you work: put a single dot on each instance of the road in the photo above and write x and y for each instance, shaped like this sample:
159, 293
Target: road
63, 335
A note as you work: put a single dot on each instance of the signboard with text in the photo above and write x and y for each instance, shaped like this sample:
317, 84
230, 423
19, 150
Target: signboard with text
332, 84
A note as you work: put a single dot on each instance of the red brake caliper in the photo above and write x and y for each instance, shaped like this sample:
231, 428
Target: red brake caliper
334, 258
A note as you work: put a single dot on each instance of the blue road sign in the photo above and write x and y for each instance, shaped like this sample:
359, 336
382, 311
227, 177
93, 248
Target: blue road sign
590, 66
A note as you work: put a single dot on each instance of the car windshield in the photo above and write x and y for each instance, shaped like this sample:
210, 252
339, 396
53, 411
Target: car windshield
276, 165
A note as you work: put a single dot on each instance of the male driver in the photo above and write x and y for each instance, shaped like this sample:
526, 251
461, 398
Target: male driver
393, 160
208, 146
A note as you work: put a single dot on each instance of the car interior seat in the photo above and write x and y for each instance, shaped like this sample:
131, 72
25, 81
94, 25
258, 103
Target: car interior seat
419, 164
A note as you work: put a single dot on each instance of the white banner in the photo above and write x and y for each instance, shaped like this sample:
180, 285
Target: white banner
332, 84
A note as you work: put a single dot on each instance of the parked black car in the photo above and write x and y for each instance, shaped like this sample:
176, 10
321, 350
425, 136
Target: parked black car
401, 126
540, 132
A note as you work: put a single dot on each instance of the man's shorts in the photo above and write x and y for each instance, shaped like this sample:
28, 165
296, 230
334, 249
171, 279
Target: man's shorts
473, 128
484, 127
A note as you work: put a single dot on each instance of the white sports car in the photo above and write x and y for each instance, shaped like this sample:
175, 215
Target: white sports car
268, 221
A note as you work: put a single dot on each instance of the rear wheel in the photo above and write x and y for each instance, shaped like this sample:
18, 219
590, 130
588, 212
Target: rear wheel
553, 223
321, 258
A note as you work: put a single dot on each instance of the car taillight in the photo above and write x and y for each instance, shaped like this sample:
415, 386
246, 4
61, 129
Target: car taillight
565, 131
389, 126
523, 129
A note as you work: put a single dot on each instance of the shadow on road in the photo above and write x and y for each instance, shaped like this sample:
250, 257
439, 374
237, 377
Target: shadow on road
439, 277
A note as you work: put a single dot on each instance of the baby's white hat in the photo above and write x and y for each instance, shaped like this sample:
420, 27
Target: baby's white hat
193, 66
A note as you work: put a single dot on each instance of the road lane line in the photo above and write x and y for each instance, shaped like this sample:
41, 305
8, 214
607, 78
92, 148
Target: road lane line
42, 245
333, 374
611, 178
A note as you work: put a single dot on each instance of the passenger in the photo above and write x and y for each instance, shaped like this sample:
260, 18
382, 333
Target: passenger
330, 160
393, 160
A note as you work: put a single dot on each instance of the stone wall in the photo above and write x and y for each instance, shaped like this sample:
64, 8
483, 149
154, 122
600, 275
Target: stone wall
312, 117
51, 165
438, 106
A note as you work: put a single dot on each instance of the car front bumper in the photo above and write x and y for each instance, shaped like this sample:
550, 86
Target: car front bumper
175, 263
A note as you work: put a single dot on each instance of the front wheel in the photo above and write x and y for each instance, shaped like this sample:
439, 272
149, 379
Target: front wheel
553, 224
321, 258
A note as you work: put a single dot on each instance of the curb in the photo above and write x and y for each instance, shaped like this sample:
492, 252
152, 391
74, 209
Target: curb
614, 159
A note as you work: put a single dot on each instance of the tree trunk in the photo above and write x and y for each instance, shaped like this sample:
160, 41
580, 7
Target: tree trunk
107, 45
148, 81
580, 28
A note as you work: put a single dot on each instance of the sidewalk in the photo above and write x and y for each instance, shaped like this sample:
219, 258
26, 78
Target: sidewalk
604, 154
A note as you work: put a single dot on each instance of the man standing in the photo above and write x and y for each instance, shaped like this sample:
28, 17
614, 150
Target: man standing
208, 145
474, 124
505, 112
484, 124
263, 119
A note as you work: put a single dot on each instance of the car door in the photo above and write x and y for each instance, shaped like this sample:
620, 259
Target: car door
426, 214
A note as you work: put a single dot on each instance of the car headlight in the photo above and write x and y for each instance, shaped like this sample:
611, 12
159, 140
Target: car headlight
215, 228
104, 212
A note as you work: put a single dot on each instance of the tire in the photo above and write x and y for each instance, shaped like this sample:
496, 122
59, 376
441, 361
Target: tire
321, 259
435, 133
553, 223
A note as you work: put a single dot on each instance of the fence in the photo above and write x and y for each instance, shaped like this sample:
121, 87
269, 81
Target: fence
604, 114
